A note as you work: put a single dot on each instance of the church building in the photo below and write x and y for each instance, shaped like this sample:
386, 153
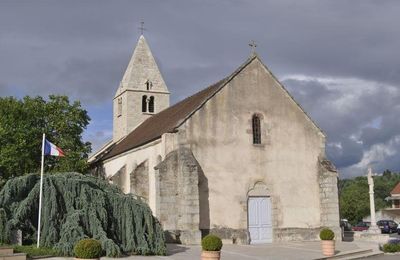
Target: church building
240, 159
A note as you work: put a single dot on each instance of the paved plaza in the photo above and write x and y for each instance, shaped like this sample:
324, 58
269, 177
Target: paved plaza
289, 250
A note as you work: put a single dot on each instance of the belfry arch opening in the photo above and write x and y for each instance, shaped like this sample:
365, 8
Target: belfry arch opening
144, 103
151, 104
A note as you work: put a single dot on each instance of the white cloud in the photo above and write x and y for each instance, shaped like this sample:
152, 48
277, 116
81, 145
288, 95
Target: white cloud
359, 117
374, 157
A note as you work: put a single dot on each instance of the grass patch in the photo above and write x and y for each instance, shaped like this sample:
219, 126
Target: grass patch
33, 251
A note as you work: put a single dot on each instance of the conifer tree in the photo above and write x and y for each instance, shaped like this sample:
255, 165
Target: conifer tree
77, 206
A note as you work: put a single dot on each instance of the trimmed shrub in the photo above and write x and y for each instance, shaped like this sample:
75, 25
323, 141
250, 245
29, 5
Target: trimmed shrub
326, 234
211, 243
88, 248
391, 248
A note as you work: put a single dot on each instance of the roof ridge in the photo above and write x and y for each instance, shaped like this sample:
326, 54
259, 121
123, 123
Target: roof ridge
290, 95
171, 118
226, 79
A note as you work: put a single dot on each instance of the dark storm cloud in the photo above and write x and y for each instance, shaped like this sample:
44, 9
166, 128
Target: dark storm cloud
349, 153
81, 49
359, 117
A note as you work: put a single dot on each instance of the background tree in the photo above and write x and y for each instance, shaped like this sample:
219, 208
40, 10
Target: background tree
354, 195
22, 123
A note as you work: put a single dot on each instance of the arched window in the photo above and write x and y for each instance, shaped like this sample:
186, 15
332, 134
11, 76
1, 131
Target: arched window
151, 104
144, 103
149, 84
256, 129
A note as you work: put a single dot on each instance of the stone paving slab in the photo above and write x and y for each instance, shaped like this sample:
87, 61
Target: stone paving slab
281, 251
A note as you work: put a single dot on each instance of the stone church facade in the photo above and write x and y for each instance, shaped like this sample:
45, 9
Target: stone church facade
240, 158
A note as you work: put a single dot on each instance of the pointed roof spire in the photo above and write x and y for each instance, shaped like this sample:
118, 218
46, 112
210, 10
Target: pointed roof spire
142, 68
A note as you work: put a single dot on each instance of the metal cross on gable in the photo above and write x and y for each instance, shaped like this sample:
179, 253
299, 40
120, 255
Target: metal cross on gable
253, 46
142, 28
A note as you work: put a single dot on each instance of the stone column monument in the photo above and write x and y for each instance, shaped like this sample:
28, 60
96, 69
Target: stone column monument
373, 228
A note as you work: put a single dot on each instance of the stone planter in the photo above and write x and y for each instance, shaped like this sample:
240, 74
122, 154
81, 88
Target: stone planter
210, 255
328, 247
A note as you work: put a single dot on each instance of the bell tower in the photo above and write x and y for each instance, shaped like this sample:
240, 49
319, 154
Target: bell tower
141, 93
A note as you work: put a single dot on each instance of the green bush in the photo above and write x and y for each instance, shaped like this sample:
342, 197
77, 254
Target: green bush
211, 243
326, 234
88, 248
391, 248
32, 250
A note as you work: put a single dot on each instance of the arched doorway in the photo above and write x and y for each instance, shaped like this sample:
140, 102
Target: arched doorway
259, 214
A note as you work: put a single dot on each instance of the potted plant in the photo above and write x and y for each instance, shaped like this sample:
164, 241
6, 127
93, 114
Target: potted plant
211, 245
328, 244
88, 249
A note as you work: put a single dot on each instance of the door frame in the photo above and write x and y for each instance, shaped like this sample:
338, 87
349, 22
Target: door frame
248, 212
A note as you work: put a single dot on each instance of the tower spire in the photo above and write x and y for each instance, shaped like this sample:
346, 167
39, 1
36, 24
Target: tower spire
142, 91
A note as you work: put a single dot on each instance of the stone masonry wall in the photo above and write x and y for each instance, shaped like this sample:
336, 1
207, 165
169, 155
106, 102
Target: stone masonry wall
329, 198
178, 196
168, 195
140, 181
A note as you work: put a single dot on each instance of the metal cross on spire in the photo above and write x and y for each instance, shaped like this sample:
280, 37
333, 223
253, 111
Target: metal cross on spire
142, 28
253, 46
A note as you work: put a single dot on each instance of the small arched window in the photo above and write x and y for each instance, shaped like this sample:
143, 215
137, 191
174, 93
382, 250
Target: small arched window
151, 104
256, 121
149, 84
144, 103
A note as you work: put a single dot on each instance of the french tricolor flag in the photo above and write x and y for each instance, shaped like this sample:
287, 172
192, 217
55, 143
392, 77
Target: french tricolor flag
51, 149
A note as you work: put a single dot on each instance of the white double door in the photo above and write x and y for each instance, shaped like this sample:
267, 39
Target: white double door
260, 220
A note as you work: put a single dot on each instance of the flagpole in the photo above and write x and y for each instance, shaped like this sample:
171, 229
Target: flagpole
40, 193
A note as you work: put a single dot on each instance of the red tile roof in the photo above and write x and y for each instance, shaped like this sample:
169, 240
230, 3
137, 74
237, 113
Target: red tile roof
164, 122
396, 189
170, 119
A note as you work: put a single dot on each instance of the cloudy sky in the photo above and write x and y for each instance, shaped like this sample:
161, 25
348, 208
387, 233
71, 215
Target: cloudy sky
339, 59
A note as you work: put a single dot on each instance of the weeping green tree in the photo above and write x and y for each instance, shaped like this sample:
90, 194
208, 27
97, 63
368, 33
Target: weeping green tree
77, 206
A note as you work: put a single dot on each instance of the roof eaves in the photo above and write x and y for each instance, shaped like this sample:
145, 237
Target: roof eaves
106, 157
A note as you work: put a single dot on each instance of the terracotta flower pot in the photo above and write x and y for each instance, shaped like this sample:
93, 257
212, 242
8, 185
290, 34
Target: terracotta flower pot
328, 247
210, 255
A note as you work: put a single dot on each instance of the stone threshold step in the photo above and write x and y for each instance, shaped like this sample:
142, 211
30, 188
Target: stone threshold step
4, 250
366, 255
17, 256
347, 254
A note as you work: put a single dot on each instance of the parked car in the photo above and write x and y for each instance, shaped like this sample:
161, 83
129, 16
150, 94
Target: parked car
398, 230
361, 226
387, 226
